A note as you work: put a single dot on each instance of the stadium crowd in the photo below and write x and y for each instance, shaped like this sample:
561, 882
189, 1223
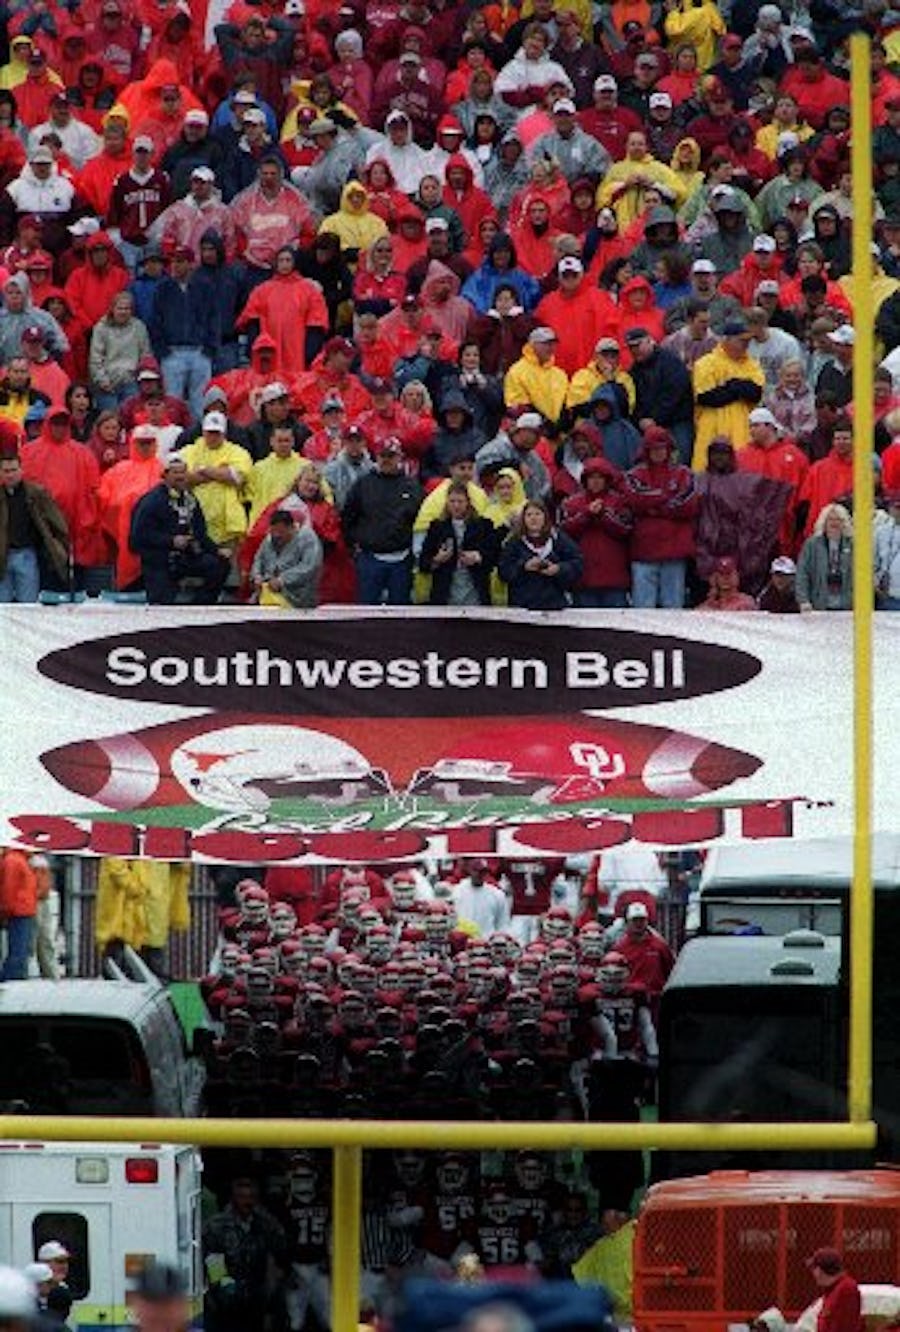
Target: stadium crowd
534, 304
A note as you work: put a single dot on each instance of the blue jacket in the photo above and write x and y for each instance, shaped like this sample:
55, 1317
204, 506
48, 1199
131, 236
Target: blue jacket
182, 316
535, 591
621, 440
221, 291
480, 286
154, 524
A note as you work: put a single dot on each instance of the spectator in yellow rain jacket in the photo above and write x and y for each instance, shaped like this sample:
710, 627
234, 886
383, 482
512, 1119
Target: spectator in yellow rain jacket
728, 384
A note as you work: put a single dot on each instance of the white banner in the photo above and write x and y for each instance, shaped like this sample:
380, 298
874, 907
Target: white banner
247, 735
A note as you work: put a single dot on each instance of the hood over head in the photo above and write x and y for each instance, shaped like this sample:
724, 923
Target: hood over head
453, 398
607, 394
458, 160
438, 272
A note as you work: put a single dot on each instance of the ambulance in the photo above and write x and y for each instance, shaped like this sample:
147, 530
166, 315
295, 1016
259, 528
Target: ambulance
115, 1207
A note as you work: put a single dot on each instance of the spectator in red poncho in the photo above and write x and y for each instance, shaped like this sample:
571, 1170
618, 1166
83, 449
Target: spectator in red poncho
176, 39
376, 359
75, 360
831, 478
409, 238
115, 39
292, 310
638, 309
33, 97
90, 289
385, 200
769, 452
388, 418
812, 87
598, 520
69, 471
377, 287
763, 263
579, 313
534, 238
96, 178
121, 486
242, 387
329, 376
681, 83
469, 202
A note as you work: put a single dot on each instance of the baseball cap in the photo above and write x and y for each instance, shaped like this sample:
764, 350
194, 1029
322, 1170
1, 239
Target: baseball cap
798, 201
605, 83
732, 40
410, 58
203, 173
389, 445
660, 99
703, 266
636, 334
253, 116
542, 334
85, 226
216, 421
828, 1261
768, 287
528, 421
144, 141
396, 116
41, 155
607, 344
244, 97
148, 372
213, 394
338, 344
196, 116
332, 404
725, 564
381, 385
636, 911
52, 1251
33, 334
647, 58
272, 392
570, 265
735, 328
783, 564
183, 252
762, 416
437, 224
726, 201
324, 125
844, 335
565, 106
144, 431
764, 244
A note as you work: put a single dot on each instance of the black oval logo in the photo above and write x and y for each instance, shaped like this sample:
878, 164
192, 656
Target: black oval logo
386, 667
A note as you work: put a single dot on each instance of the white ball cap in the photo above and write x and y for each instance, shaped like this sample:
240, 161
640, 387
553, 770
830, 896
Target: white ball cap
565, 105
37, 1272
844, 335
215, 421
764, 244
17, 1295
762, 416
51, 1251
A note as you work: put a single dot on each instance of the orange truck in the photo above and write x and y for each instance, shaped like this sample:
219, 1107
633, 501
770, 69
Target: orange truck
715, 1250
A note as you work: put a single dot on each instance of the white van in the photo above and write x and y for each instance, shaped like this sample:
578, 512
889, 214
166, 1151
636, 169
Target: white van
115, 1207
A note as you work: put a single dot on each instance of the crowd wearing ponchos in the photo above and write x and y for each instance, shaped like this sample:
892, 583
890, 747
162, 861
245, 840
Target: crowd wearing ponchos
584, 283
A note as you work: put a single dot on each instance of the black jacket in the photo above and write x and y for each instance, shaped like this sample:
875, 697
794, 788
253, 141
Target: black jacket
154, 525
380, 511
480, 534
662, 388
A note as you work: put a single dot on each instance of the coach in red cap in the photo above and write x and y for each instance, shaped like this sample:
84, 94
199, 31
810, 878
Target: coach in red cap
841, 1309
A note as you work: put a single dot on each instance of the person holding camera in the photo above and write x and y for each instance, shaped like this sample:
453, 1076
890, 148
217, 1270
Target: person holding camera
168, 533
539, 564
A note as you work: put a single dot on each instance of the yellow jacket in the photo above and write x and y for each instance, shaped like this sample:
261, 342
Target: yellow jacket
543, 387
610, 1263
627, 201
270, 479
168, 906
711, 372
355, 228
121, 907
698, 26
586, 381
226, 520
300, 90
767, 137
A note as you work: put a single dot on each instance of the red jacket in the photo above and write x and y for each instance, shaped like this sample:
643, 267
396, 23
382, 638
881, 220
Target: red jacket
578, 321
828, 480
470, 203
841, 1309
18, 885
651, 960
815, 97
743, 282
664, 502
601, 536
